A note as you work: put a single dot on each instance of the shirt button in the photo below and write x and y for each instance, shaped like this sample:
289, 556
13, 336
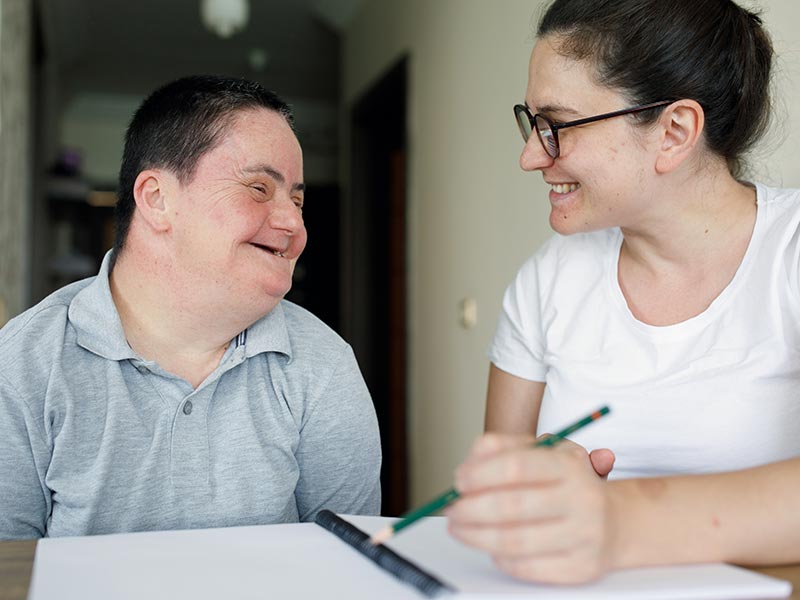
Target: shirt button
187, 407
143, 370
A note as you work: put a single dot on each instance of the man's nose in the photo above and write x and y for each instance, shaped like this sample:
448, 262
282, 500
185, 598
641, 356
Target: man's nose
285, 215
533, 155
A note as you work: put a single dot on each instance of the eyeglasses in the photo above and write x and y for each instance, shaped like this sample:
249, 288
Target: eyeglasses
547, 130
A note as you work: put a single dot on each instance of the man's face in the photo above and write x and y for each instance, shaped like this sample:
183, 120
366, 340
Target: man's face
238, 225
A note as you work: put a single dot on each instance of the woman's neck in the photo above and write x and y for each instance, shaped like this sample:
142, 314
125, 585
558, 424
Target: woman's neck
673, 270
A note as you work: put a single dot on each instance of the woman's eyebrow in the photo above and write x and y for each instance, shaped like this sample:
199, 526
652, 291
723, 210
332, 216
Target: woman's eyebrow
557, 108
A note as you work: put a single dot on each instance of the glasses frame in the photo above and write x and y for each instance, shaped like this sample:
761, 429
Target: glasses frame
555, 126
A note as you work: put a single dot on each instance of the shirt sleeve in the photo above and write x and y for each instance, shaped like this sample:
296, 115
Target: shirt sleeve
24, 505
518, 345
339, 454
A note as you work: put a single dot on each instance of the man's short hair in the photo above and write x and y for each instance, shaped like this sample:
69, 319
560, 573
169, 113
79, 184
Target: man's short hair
176, 125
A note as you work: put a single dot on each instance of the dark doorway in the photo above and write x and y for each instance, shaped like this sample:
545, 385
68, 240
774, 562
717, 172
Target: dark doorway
315, 285
374, 291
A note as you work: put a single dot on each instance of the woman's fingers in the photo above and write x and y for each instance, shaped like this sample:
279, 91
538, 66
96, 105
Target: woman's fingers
501, 461
540, 512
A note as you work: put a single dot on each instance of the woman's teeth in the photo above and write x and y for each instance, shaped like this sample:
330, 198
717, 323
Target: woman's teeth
563, 188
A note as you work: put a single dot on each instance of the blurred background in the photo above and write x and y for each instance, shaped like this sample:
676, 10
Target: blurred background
417, 212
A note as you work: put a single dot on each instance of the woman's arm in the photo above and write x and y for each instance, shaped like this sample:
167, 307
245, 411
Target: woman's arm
512, 403
512, 407
747, 517
544, 515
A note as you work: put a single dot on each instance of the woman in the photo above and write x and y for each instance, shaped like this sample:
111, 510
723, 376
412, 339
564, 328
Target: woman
672, 295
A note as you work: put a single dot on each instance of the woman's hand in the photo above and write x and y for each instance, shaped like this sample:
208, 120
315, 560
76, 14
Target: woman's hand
542, 513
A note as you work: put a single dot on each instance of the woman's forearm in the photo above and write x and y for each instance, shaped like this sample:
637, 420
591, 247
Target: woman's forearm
749, 517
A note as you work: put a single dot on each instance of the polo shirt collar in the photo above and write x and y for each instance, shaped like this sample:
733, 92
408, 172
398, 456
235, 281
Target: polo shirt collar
94, 315
269, 334
98, 327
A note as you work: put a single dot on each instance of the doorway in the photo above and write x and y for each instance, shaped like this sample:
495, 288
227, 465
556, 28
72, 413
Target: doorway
374, 282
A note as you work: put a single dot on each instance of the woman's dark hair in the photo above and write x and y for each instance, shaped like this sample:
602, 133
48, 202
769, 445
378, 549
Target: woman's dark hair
712, 51
176, 125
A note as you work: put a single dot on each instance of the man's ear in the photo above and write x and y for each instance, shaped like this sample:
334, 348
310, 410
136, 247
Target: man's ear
151, 193
682, 125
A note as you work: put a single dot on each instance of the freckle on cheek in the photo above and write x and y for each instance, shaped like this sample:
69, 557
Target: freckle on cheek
715, 522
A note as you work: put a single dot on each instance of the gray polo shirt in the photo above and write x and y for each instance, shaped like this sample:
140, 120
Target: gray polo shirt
94, 439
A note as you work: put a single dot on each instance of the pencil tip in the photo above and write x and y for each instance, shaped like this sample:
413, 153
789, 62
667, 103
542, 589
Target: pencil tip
380, 537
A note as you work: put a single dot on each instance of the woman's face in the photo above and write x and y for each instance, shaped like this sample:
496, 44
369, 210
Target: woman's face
604, 174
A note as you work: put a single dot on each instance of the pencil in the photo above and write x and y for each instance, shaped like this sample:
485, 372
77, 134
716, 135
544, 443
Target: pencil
452, 494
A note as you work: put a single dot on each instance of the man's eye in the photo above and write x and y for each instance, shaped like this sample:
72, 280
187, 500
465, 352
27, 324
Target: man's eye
262, 192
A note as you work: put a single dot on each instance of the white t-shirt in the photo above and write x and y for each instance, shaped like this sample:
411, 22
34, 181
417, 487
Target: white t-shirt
718, 392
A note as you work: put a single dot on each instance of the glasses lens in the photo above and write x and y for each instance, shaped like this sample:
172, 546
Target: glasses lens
523, 121
547, 136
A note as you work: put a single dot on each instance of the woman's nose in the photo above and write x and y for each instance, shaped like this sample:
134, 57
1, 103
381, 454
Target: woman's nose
533, 155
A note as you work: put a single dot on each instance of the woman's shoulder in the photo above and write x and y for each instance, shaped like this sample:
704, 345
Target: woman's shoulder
778, 200
562, 250
575, 257
779, 212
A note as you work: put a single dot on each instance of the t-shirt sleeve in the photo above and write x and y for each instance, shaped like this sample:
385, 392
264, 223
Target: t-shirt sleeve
518, 345
24, 507
339, 453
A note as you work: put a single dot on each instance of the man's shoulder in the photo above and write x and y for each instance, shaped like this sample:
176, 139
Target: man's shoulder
43, 322
31, 341
305, 328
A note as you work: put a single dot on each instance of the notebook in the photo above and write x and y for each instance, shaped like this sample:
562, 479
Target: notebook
306, 561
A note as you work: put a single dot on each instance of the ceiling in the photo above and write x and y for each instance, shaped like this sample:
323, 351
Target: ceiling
133, 46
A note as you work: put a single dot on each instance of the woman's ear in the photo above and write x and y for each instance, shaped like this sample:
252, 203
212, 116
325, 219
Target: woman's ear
682, 128
151, 193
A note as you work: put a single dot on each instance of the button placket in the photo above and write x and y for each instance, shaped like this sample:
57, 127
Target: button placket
190, 452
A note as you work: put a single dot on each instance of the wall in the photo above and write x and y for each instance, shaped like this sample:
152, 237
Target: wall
15, 158
473, 215
95, 123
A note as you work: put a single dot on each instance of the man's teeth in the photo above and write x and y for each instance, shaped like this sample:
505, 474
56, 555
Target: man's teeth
563, 188
268, 249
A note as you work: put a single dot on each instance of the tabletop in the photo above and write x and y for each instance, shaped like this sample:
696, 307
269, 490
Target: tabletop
16, 562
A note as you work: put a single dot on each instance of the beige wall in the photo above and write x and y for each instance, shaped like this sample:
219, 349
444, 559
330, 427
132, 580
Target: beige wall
473, 215
15, 170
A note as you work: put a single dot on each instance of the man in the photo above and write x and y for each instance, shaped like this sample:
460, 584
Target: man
177, 389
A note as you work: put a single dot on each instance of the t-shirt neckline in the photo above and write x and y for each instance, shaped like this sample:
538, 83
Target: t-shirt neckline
700, 320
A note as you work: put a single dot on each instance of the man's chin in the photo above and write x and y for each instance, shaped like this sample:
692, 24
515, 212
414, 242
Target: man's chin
275, 294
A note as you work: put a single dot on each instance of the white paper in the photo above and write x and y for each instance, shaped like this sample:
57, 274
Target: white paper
306, 561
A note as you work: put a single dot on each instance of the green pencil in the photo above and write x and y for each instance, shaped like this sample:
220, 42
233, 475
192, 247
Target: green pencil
452, 494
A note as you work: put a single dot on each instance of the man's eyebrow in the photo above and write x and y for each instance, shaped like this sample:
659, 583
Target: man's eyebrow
275, 174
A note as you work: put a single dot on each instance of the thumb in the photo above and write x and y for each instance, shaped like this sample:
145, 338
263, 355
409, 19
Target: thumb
602, 461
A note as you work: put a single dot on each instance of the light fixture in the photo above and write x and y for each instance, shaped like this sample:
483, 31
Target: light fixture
257, 58
224, 17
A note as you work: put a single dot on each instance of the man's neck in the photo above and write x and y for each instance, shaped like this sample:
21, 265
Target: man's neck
183, 335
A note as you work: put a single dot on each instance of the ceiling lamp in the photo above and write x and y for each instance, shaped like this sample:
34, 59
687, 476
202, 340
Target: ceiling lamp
224, 17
